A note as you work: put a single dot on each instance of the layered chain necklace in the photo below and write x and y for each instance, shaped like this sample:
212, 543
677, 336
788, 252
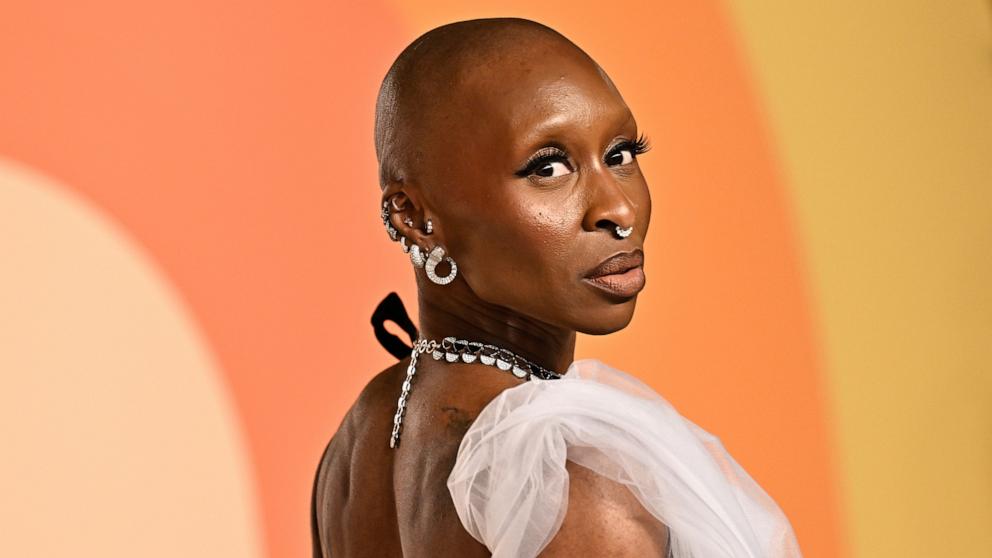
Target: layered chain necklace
460, 350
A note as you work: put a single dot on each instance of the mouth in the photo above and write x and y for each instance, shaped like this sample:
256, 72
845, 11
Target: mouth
621, 275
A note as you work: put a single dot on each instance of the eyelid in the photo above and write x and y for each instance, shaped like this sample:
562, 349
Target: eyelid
550, 153
541, 156
637, 146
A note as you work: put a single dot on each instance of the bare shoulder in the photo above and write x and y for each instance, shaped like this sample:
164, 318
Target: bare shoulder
365, 416
353, 488
605, 519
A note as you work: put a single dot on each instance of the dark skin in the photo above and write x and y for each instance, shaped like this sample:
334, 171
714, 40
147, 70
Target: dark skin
524, 237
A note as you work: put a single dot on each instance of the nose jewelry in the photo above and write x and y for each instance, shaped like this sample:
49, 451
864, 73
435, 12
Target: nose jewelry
624, 233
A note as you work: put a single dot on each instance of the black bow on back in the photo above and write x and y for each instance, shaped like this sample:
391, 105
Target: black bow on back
391, 308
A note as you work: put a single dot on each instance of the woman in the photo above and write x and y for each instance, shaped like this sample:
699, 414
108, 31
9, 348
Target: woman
509, 174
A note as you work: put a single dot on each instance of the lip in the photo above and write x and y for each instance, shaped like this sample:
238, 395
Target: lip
621, 275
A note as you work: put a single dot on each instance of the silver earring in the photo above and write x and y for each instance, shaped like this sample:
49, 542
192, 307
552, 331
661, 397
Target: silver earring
384, 214
435, 257
429, 227
408, 222
624, 233
404, 245
416, 256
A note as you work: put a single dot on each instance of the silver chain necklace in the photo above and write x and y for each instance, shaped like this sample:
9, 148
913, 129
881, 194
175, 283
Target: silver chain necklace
455, 350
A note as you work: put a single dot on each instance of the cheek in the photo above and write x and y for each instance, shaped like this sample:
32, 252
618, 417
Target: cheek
519, 248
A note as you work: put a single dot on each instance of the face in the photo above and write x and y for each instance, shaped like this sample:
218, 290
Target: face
529, 182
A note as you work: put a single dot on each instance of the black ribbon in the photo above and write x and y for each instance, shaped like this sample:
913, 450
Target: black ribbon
391, 308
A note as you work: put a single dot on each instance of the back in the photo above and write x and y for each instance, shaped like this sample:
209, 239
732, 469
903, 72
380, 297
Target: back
352, 502
371, 500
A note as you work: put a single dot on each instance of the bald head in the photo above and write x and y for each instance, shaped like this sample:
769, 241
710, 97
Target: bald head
416, 94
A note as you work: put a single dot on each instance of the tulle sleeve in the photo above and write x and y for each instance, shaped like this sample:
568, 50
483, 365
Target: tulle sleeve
510, 486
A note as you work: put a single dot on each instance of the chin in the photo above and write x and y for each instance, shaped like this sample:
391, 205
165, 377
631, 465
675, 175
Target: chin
603, 320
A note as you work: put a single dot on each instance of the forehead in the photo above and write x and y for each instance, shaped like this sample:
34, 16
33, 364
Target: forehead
541, 90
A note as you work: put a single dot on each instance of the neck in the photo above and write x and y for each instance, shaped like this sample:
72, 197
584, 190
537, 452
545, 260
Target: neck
452, 315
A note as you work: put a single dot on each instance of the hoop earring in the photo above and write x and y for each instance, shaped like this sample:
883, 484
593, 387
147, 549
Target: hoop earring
417, 256
435, 257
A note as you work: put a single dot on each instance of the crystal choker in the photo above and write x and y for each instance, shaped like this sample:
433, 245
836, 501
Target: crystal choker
460, 350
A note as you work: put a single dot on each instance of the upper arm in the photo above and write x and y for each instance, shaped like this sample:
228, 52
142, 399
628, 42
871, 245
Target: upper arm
605, 519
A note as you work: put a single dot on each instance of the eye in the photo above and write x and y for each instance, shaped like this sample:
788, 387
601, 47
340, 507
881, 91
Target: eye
626, 151
620, 157
552, 168
549, 162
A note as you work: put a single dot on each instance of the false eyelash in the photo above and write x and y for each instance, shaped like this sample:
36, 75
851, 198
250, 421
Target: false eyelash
541, 158
637, 147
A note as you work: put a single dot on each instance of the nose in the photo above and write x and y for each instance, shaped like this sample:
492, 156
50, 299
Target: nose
609, 205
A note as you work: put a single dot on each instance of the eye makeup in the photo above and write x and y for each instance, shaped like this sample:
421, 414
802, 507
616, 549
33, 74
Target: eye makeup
542, 157
551, 154
636, 147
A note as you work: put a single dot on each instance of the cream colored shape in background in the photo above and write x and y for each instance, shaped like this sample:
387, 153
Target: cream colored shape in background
883, 115
118, 438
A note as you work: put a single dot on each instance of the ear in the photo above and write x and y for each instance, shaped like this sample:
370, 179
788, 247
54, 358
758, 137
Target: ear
406, 214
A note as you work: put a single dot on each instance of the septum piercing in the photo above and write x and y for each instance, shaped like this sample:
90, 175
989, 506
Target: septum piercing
624, 233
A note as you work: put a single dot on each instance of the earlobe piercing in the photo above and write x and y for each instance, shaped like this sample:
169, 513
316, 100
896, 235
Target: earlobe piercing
624, 233
435, 257
417, 256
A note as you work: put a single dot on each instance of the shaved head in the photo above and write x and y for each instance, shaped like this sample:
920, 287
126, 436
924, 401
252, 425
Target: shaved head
506, 146
416, 95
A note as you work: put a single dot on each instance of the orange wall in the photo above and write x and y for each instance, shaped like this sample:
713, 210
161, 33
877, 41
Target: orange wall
231, 149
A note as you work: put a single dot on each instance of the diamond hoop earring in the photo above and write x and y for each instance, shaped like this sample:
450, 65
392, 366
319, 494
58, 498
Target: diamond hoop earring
624, 233
435, 257
417, 256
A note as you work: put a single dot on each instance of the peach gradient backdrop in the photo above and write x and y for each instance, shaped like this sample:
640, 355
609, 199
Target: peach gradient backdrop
192, 251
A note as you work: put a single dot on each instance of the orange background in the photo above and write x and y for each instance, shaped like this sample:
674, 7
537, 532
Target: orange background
225, 154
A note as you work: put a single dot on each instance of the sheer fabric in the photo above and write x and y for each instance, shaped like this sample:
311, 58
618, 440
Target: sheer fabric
510, 486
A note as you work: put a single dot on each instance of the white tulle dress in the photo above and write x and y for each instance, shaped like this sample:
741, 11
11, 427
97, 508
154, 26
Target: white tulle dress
510, 485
